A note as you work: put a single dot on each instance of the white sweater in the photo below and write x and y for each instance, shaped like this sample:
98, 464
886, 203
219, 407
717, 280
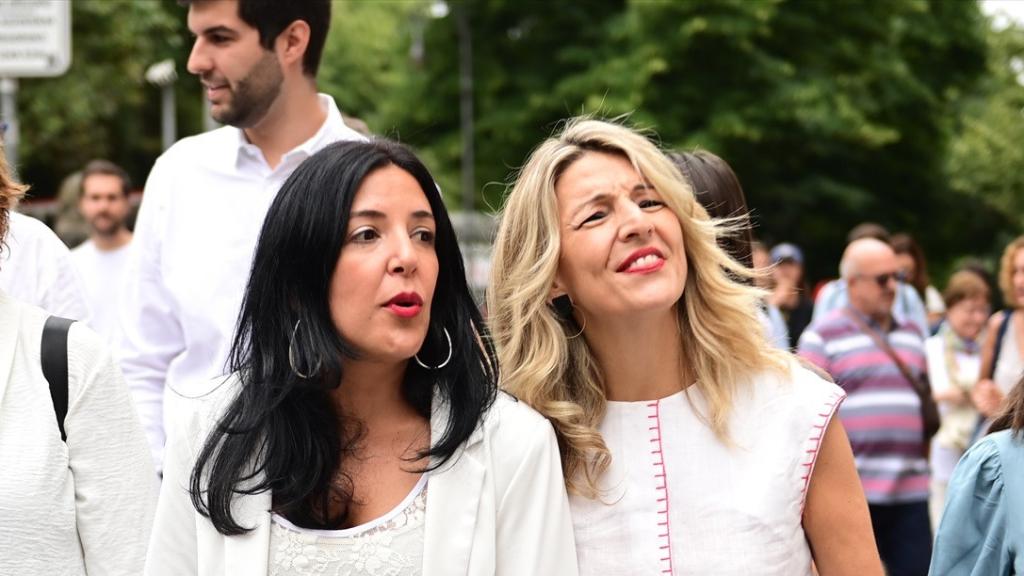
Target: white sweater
81, 507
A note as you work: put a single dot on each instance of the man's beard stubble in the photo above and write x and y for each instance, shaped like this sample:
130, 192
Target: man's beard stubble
253, 95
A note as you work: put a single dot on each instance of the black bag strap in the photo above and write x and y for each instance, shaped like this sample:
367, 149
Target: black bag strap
1000, 334
54, 358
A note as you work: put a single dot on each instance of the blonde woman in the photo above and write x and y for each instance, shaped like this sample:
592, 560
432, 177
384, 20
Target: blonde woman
689, 444
1002, 361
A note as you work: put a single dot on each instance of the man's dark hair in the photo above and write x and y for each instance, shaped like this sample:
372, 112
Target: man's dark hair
869, 230
271, 17
105, 167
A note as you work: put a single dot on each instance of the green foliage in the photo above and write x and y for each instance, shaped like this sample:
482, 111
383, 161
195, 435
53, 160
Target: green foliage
831, 113
985, 161
103, 107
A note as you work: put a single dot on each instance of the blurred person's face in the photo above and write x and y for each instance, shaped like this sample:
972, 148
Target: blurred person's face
103, 203
242, 79
905, 262
1017, 277
761, 261
622, 251
967, 317
789, 272
761, 258
383, 285
873, 287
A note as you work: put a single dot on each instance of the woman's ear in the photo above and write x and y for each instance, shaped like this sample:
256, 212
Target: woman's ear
557, 290
559, 300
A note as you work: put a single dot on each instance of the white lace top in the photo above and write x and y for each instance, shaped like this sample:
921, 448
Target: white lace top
391, 545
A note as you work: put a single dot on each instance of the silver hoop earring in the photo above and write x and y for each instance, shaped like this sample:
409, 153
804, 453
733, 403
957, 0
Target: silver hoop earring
291, 356
446, 360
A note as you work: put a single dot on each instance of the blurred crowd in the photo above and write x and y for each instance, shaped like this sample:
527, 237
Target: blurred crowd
221, 406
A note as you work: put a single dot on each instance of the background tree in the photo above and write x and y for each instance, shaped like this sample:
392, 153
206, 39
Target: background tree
985, 166
904, 112
829, 115
102, 107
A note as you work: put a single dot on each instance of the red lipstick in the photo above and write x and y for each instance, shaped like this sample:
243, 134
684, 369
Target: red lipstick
405, 304
656, 261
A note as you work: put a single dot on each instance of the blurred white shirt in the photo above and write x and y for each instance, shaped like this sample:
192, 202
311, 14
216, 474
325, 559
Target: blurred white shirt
103, 273
204, 205
36, 268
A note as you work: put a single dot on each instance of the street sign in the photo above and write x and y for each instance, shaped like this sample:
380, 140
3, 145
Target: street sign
35, 37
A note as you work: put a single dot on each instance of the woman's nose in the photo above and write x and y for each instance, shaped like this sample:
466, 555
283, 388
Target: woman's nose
635, 222
403, 257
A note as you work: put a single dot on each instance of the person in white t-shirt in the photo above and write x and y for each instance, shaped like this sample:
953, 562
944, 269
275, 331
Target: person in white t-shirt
37, 269
102, 259
690, 444
206, 197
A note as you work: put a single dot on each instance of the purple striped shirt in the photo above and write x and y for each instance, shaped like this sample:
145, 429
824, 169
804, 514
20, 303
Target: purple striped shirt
882, 412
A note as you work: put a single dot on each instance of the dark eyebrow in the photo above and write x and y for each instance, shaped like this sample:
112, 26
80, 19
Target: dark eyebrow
372, 214
378, 215
219, 29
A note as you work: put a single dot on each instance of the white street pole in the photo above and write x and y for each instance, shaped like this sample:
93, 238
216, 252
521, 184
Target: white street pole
9, 116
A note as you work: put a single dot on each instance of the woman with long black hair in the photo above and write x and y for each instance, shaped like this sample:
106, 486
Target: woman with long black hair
360, 431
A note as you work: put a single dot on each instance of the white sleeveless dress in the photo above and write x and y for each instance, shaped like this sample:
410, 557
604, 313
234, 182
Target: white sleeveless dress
679, 501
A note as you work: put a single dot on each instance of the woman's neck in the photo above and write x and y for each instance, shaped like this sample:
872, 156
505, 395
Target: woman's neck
371, 393
640, 358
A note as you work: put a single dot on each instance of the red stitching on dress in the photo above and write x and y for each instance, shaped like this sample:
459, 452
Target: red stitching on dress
812, 453
660, 474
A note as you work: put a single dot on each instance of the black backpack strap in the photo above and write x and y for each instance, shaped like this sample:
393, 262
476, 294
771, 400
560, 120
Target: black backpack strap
54, 356
1000, 335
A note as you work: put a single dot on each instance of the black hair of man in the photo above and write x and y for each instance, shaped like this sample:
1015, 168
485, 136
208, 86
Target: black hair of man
271, 17
108, 168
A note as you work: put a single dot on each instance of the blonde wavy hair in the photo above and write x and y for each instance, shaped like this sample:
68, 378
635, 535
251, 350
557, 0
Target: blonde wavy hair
10, 192
1006, 273
722, 337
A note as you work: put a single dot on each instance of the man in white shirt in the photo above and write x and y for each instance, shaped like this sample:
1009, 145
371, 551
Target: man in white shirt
206, 197
102, 259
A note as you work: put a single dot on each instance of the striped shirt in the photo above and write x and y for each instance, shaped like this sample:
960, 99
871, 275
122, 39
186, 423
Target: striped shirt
882, 412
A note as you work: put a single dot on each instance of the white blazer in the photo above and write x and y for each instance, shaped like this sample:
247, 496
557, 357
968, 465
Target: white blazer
499, 506
80, 506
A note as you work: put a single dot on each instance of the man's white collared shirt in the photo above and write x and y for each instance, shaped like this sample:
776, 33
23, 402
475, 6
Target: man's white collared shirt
204, 205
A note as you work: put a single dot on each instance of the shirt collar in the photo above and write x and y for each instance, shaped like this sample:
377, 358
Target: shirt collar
872, 323
957, 343
332, 125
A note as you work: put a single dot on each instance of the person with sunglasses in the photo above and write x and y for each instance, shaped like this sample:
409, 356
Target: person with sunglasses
880, 362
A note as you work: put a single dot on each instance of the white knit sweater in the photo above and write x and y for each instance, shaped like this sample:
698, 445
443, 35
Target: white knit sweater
81, 507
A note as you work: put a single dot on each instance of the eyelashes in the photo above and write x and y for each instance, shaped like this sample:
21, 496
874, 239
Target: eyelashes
648, 204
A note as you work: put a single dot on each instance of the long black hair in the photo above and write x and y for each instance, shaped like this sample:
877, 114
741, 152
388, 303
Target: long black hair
282, 431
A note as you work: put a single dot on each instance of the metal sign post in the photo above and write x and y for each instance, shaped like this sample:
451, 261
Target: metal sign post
35, 40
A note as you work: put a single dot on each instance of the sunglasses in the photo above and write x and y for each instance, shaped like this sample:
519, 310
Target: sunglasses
883, 279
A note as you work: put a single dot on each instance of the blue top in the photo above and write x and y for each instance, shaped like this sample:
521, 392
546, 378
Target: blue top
982, 529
